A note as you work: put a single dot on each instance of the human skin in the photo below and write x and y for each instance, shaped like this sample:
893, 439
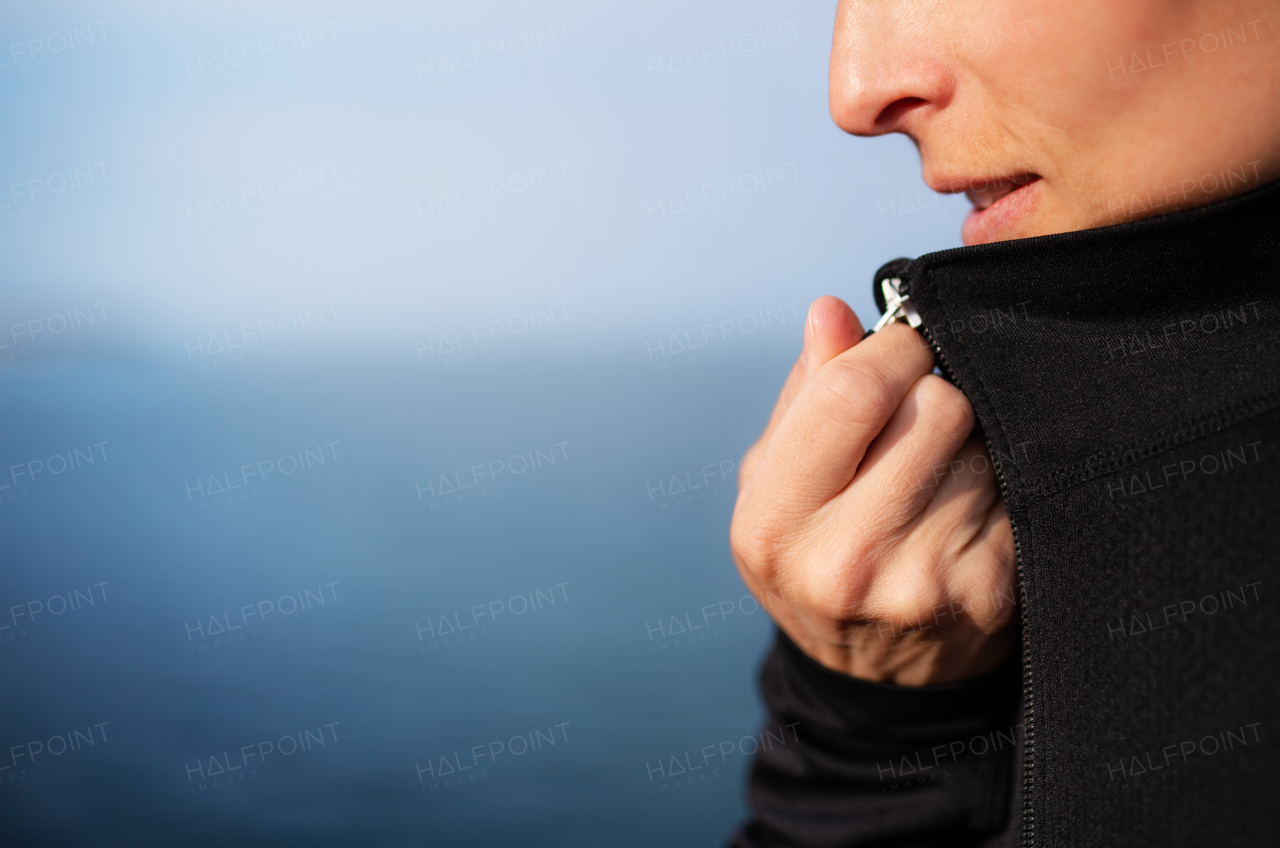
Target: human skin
850, 527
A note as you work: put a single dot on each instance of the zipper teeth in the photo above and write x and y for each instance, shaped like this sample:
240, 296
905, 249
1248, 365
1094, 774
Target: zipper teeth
1028, 693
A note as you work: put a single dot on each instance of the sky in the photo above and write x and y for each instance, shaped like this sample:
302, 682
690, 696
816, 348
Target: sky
403, 251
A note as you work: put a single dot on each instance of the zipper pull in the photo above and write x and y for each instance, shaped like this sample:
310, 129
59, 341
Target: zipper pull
897, 306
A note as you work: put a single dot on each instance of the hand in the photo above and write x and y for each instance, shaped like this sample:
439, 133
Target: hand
869, 522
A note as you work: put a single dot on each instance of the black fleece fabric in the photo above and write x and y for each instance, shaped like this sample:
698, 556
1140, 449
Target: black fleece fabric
1128, 383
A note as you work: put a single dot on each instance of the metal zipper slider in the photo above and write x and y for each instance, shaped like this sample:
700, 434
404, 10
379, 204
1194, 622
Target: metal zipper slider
897, 306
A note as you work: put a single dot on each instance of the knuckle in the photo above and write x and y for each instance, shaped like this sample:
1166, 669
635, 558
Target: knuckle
755, 541
1001, 615
829, 607
839, 581
945, 406
853, 392
908, 605
913, 593
838, 605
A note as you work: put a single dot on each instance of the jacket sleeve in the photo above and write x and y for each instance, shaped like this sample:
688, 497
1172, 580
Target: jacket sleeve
871, 764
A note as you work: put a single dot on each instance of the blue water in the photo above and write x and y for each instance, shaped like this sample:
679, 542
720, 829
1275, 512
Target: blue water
370, 403
608, 557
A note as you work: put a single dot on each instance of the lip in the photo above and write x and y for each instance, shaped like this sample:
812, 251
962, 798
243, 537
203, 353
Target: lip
1000, 204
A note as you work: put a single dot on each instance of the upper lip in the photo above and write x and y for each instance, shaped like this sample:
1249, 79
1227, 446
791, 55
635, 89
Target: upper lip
984, 191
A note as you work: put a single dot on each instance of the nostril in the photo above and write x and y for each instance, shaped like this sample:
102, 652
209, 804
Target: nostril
891, 114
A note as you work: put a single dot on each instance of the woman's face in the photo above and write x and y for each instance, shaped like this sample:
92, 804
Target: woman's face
1058, 115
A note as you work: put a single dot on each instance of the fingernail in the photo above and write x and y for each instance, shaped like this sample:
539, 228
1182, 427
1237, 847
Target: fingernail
808, 336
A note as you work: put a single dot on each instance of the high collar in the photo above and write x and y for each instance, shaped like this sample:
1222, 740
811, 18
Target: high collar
1085, 352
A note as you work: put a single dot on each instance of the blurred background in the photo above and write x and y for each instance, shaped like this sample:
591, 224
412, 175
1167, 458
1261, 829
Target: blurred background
373, 382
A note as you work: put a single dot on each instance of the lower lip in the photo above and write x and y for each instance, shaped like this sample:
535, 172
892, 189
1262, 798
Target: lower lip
999, 220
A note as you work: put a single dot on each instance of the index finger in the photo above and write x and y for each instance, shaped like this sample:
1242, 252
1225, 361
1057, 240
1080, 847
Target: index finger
815, 451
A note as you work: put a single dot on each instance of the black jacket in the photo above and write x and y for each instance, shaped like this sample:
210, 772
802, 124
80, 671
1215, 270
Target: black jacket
1128, 383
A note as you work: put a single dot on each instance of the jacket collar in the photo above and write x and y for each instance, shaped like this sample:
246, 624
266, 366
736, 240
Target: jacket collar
1085, 352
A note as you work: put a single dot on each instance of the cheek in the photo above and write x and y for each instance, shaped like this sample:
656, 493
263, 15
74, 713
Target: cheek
1044, 67
1044, 73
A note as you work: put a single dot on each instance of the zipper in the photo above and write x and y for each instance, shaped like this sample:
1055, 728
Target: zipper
898, 307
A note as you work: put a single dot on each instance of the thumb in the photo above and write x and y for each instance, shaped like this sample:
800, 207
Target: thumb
831, 329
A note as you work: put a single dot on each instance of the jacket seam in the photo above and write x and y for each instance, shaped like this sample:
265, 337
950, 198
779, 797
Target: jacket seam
1119, 458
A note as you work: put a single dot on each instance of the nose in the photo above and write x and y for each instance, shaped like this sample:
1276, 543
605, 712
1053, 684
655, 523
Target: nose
886, 75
